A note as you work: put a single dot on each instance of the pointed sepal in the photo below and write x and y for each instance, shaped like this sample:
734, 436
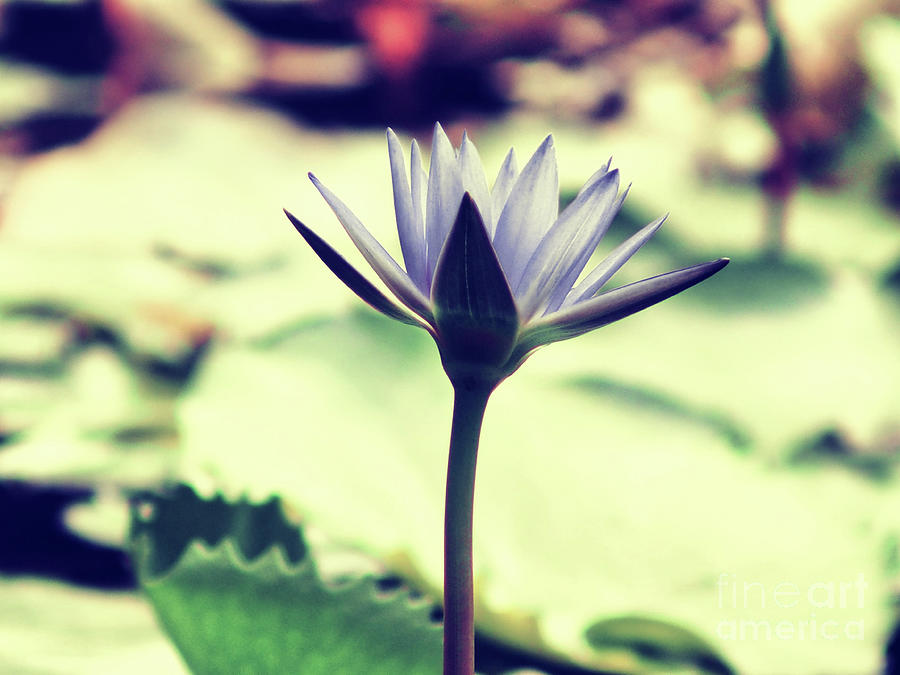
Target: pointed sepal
612, 264
383, 264
474, 309
609, 307
355, 281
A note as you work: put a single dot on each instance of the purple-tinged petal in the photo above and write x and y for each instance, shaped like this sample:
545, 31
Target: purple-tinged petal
506, 178
474, 310
597, 175
355, 281
381, 261
562, 287
473, 179
444, 193
567, 247
531, 209
419, 188
612, 306
603, 272
418, 180
409, 228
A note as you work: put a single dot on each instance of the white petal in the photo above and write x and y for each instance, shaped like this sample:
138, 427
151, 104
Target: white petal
611, 264
568, 246
473, 179
412, 237
597, 175
506, 178
381, 261
532, 207
610, 306
561, 288
444, 197
419, 187
355, 281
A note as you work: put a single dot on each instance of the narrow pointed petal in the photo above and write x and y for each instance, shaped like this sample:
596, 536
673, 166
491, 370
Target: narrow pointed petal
355, 281
567, 247
444, 193
597, 175
381, 261
612, 264
412, 237
418, 180
473, 179
474, 310
506, 178
613, 305
531, 209
564, 284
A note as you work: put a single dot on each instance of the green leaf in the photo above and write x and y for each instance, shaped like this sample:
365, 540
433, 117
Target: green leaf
100, 420
785, 376
659, 643
109, 250
235, 587
590, 504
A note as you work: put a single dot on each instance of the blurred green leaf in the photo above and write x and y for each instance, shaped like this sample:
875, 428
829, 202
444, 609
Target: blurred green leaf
99, 421
783, 371
32, 346
878, 42
168, 222
242, 594
589, 504
658, 642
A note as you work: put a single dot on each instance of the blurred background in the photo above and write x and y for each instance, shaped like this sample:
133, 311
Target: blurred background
160, 320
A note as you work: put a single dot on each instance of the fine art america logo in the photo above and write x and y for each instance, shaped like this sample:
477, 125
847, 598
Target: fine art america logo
823, 610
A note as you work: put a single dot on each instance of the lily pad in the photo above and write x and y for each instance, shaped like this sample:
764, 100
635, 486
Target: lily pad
102, 421
587, 507
656, 641
784, 375
207, 249
242, 594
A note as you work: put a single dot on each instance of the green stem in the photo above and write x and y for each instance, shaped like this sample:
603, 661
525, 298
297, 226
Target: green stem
469, 403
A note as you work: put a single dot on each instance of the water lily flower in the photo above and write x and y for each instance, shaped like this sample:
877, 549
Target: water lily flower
494, 274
